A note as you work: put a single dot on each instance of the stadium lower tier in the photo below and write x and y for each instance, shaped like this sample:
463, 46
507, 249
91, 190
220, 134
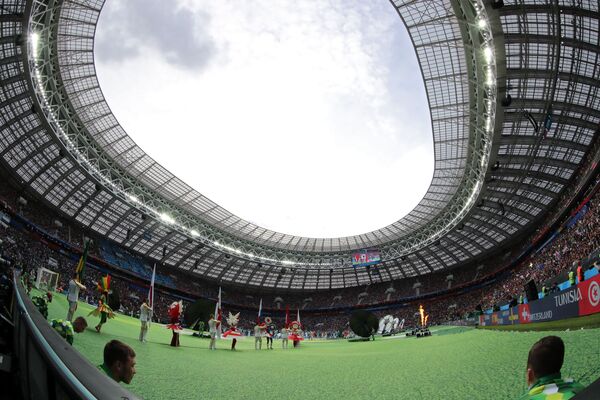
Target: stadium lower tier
30, 247
454, 363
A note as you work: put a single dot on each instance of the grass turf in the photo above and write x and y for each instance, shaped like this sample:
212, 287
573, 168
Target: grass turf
455, 363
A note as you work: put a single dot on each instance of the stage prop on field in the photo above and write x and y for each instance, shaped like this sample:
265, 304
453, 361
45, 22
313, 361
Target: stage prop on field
364, 323
196, 316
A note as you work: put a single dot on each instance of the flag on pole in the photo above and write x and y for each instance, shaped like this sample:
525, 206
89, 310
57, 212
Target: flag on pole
82, 260
104, 284
287, 316
259, 311
218, 312
151, 294
298, 317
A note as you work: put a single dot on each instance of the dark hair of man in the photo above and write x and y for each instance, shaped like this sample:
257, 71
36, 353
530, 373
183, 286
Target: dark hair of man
546, 356
117, 351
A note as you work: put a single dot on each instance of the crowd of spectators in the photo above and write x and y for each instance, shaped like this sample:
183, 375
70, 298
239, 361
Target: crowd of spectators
28, 250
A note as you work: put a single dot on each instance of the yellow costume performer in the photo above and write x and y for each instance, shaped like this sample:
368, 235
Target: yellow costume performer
103, 310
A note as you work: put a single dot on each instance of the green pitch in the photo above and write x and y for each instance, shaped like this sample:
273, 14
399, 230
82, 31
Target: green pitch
455, 363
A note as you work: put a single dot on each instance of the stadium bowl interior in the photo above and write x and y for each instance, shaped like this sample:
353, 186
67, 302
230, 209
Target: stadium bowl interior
512, 88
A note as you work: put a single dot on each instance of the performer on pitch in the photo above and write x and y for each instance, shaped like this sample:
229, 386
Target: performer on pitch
145, 310
296, 334
232, 332
284, 337
213, 325
258, 334
269, 332
175, 312
103, 310
73, 295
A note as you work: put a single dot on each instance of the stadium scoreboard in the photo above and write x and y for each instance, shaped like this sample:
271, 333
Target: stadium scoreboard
364, 258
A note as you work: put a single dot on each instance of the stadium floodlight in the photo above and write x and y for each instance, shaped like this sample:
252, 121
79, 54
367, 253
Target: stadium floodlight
194, 233
487, 54
166, 218
133, 198
35, 40
490, 79
482, 23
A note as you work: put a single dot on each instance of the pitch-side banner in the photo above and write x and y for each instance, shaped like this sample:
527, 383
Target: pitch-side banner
583, 299
590, 296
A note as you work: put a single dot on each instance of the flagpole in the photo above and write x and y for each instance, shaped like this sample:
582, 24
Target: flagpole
217, 314
259, 311
151, 294
287, 316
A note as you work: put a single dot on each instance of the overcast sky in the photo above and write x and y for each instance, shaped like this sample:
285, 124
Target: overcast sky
306, 117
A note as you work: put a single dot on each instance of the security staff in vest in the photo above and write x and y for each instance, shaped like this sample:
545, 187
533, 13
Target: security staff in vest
571, 278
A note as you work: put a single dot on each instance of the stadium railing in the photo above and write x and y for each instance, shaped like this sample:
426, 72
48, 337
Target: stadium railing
50, 368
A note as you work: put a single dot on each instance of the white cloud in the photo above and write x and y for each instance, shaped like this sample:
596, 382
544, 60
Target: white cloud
309, 117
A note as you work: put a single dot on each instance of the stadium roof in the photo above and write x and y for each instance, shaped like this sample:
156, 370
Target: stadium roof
498, 167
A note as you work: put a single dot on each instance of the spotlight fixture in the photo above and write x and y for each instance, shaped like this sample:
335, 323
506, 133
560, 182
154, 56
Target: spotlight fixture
506, 101
496, 4
496, 166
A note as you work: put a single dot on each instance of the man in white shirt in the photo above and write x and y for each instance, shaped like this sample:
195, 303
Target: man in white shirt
212, 329
145, 311
257, 337
73, 295
284, 338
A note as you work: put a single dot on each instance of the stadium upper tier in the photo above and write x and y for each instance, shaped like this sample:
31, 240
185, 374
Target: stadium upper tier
513, 95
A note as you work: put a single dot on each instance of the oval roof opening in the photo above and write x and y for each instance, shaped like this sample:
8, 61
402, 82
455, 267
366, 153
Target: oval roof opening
305, 118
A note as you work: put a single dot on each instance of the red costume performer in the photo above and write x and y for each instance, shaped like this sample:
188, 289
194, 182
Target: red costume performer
296, 333
232, 332
175, 312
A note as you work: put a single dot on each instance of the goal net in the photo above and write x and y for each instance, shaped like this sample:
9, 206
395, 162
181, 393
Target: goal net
46, 279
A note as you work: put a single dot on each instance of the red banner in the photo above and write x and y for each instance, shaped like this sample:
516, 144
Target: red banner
590, 296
